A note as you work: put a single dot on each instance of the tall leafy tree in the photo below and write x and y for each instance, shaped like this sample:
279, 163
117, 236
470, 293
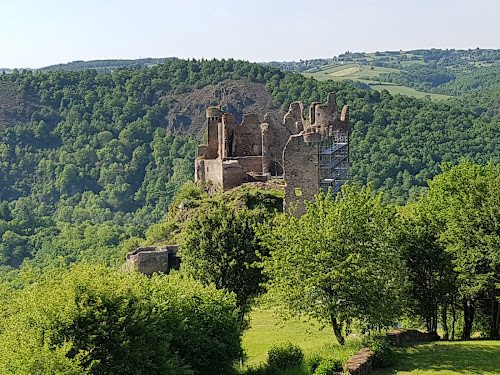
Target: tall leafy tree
466, 204
220, 247
431, 285
336, 262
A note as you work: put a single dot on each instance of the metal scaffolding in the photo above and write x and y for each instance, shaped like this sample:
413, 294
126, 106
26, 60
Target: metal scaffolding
334, 162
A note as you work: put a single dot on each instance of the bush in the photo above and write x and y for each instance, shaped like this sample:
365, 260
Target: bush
261, 370
313, 363
328, 366
383, 354
285, 356
98, 320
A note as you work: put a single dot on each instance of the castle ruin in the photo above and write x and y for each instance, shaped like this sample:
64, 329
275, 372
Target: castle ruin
309, 154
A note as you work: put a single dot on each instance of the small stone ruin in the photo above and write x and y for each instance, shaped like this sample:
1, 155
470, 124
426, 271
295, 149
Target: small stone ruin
153, 259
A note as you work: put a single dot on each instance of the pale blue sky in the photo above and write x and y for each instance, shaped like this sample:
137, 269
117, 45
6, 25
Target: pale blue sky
36, 33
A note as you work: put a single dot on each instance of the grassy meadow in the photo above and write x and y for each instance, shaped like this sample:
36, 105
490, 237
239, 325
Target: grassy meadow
265, 331
447, 358
444, 358
366, 74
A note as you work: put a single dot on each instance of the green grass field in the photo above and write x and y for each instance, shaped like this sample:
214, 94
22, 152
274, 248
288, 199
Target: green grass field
443, 358
265, 332
403, 90
365, 74
447, 358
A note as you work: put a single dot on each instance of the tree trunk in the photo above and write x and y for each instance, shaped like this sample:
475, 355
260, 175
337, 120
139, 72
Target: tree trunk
444, 322
495, 319
428, 323
337, 329
454, 320
435, 319
468, 319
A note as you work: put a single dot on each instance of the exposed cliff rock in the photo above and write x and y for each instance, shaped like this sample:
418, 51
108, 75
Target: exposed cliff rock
186, 115
14, 108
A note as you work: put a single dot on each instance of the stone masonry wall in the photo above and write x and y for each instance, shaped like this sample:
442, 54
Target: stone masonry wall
150, 259
360, 363
301, 164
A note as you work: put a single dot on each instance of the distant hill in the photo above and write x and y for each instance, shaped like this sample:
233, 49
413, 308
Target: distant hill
105, 66
435, 73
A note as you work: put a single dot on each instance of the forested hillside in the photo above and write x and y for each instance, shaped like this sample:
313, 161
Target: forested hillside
89, 160
93, 165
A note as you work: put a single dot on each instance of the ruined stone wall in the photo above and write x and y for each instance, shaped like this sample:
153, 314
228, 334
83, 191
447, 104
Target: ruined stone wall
301, 164
233, 174
360, 363
309, 154
275, 135
210, 170
150, 259
400, 336
247, 139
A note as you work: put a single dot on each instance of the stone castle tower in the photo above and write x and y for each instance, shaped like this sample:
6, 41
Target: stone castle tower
308, 154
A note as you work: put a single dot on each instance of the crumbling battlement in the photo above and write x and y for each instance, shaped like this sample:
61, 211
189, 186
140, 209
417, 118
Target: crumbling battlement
309, 153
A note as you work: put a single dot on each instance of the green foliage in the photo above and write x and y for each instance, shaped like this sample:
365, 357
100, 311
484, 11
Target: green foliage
421, 77
383, 354
284, 356
219, 246
98, 320
466, 207
313, 362
328, 366
336, 262
429, 268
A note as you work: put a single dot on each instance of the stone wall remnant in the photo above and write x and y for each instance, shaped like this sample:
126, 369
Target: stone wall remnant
360, 363
152, 259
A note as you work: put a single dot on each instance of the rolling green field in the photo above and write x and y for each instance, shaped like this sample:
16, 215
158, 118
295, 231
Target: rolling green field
366, 74
447, 358
444, 358
265, 332
403, 90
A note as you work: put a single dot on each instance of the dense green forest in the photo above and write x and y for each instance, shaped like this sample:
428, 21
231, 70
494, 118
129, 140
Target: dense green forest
104, 66
91, 173
94, 159
352, 261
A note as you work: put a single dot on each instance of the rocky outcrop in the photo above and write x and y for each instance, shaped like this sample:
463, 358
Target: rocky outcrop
186, 115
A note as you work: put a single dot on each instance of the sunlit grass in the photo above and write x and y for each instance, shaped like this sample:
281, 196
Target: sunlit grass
447, 358
265, 332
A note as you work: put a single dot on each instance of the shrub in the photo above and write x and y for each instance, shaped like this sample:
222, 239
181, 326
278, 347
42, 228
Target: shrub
285, 356
313, 363
98, 320
383, 354
261, 370
328, 366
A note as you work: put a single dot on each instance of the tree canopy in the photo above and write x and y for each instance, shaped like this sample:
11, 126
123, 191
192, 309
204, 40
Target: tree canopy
97, 320
337, 262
